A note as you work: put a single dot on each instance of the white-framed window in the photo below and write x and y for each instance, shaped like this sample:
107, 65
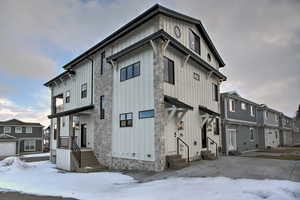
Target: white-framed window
28, 129
252, 111
7, 129
18, 129
251, 134
29, 145
231, 105
243, 106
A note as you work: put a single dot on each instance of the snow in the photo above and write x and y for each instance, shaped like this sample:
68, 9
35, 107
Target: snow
36, 155
42, 178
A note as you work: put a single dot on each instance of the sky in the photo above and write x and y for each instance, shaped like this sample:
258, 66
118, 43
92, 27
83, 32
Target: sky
259, 41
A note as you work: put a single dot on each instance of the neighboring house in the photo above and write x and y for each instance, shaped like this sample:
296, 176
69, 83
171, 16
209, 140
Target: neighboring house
46, 139
269, 129
296, 131
147, 91
239, 123
28, 135
286, 130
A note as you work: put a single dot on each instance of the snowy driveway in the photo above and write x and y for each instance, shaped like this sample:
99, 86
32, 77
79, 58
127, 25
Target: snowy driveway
43, 179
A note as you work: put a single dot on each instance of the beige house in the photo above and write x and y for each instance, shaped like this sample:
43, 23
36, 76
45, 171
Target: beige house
147, 92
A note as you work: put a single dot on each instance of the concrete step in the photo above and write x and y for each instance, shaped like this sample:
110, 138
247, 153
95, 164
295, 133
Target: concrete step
208, 155
88, 159
179, 165
176, 162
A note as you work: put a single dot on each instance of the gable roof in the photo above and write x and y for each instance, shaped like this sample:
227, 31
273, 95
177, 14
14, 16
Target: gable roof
15, 122
148, 14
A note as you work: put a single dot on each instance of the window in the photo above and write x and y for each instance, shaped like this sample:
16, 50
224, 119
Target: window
7, 129
28, 129
146, 114
169, 75
55, 132
276, 134
252, 111
68, 96
196, 76
84, 90
251, 134
130, 71
243, 106
231, 105
266, 114
215, 92
102, 62
216, 126
18, 129
126, 120
194, 40
102, 112
208, 57
29, 145
276, 117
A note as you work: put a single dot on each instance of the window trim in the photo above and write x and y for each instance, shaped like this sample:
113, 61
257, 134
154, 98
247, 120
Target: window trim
215, 88
126, 120
243, 103
192, 32
231, 103
170, 81
68, 97
252, 111
83, 93
133, 75
150, 110
102, 111
7, 131
17, 128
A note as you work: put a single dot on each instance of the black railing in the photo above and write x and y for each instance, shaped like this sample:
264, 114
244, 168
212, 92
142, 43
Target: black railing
76, 151
64, 142
187, 147
211, 141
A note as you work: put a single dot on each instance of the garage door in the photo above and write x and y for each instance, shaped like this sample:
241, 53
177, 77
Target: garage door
7, 148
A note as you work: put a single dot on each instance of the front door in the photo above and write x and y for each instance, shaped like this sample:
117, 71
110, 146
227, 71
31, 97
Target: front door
204, 136
231, 139
83, 135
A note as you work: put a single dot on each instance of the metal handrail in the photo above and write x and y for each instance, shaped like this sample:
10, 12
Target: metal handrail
209, 139
64, 142
76, 151
187, 146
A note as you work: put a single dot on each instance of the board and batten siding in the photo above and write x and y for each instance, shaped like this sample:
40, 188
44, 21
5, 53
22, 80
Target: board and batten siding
83, 75
168, 24
134, 95
193, 93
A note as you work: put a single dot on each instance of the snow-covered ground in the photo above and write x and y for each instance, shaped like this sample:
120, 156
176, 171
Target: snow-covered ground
36, 155
43, 179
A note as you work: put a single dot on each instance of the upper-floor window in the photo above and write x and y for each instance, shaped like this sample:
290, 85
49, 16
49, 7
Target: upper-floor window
146, 114
102, 62
84, 90
18, 129
266, 114
194, 41
243, 106
208, 57
276, 117
252, 111
251, 134
216, 126
130, 71
169, 74
102, 107
215, 92
231, 105
126, 120
28, 129
68, 96
7, 129
55, 132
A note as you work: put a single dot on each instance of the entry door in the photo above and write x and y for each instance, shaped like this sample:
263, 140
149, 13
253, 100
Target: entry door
83, 135
204, 136
231, 139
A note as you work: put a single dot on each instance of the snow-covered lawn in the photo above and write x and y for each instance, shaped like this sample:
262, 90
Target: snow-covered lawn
43, 179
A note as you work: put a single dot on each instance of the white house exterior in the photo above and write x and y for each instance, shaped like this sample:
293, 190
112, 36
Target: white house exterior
129, 98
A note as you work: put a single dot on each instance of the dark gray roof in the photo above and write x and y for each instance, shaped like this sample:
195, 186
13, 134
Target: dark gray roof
15, 122
148, 14
235, 95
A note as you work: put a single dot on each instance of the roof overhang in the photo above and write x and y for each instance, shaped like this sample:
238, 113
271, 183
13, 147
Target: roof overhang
71, 112
177, 103
208, 111
161, 34
67, 73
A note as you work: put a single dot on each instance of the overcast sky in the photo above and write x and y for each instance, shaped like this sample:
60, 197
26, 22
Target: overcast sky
258, 40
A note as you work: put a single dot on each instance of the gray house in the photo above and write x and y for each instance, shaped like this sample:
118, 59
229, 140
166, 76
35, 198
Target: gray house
239, 123
269, 129
28, 136
296, 132
286, 130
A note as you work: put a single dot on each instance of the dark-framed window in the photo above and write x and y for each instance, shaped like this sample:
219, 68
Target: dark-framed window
126, 120
169, 73
102, 62
146, 114
130, 71
55, 132
84, 90
194, 41
102, 111
215, 92
217, 127
68, 98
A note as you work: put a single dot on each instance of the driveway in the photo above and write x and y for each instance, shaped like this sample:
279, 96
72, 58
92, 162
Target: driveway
231, 167
21, 196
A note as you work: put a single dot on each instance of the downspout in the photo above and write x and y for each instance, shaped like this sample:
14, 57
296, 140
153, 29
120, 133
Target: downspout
92, 81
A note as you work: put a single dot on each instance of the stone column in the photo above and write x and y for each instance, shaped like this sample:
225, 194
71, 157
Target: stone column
71, 132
